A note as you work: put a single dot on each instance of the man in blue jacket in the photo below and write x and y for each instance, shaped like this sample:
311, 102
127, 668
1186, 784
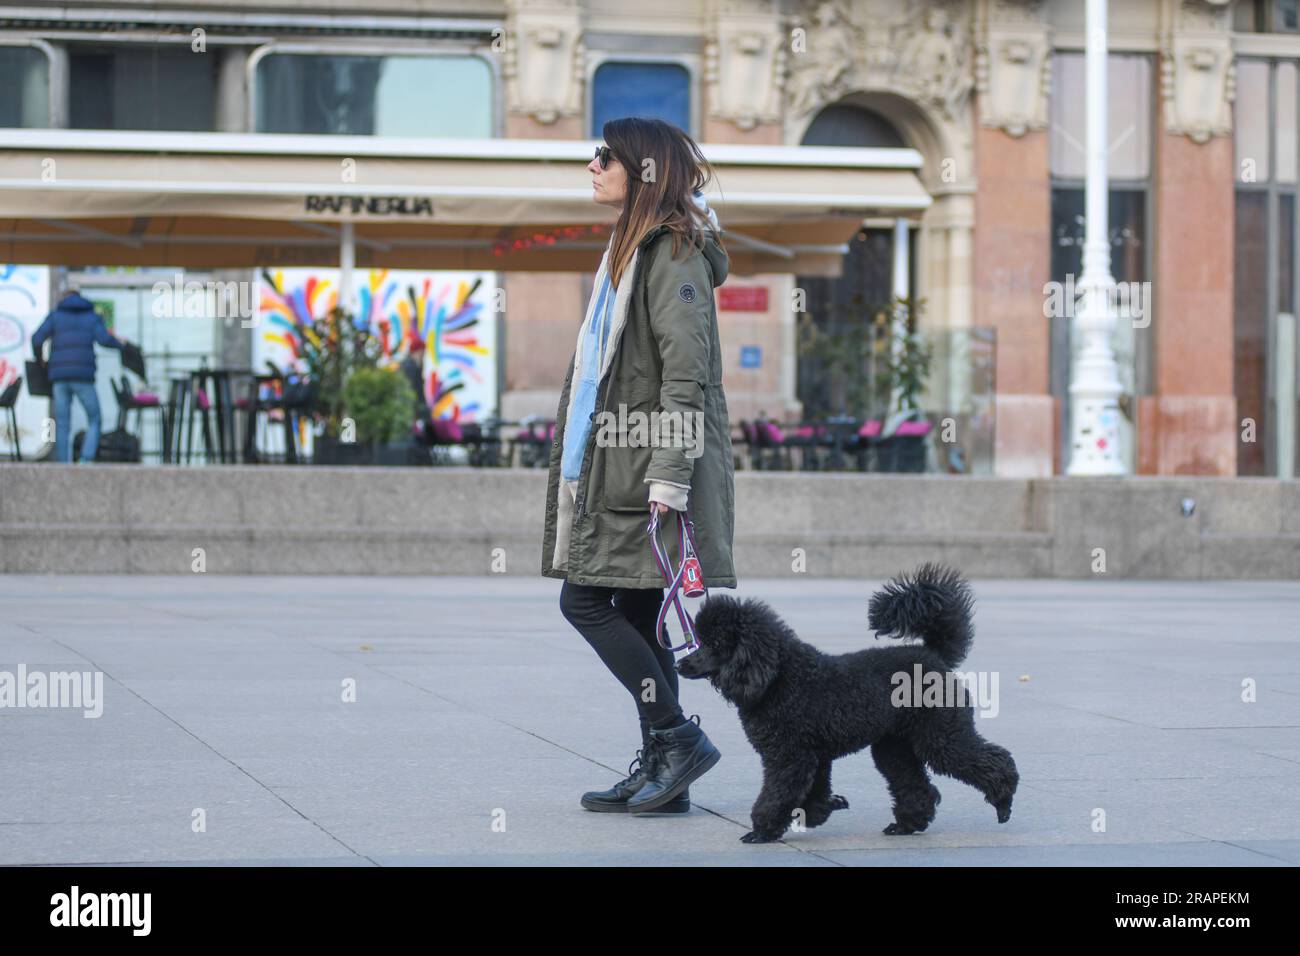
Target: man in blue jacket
75, 327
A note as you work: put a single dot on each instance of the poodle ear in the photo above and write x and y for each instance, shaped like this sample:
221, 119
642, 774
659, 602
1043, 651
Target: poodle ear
755, 657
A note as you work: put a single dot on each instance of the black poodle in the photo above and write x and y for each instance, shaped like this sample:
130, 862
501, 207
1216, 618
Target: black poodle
801, 709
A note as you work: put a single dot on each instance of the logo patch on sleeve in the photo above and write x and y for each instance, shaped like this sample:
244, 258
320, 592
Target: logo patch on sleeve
686, 292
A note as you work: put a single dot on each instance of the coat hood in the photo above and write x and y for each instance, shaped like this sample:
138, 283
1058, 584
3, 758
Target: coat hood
713, 252
717, 259
74, 302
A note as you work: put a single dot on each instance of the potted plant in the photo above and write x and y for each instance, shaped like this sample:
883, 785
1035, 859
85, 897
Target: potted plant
378, 401
334, 348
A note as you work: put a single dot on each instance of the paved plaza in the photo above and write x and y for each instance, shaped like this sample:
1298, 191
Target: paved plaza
228, 734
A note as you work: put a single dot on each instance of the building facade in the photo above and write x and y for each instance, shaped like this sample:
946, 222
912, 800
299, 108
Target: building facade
1202, 160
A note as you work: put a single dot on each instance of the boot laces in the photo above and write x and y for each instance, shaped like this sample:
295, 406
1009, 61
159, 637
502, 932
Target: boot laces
641, 760
655, 748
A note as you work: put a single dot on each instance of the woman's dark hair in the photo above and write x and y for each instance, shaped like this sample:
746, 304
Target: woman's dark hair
665, 168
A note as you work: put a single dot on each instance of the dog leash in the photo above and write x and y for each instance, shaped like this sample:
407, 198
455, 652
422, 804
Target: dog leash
688, 581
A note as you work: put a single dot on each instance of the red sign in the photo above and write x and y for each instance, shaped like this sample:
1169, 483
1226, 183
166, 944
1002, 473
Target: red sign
743, 298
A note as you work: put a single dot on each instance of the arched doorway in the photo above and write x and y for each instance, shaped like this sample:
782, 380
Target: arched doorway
849, 313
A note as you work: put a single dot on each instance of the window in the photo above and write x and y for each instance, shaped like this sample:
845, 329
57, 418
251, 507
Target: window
1130, 96
651, 90
437, 96
24, 87
1129, 106
1265, 16
1265, 266
142, 89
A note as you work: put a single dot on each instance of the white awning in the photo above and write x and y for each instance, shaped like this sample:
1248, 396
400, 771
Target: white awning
212, 200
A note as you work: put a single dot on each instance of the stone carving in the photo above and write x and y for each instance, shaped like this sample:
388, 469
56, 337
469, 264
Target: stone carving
1013, 67
544, 58
1203, 14
744, 63
922, 52
1197, 74
823, 54
934, 61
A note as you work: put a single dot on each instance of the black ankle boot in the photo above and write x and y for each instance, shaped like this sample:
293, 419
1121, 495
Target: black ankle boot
614, 800
678, 756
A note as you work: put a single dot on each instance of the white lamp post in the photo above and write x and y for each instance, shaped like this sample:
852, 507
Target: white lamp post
902, 289
1094, 374
347, 264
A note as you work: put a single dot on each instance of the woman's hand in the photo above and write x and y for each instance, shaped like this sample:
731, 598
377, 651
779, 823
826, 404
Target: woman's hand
662, 507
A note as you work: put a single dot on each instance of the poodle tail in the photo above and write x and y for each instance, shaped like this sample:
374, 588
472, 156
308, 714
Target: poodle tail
934, 604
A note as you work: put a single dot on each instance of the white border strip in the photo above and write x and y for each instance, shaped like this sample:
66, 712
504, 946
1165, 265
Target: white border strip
753, 199
569, 150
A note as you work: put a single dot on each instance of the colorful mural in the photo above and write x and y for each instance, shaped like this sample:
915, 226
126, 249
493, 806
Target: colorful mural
449, 311
24, 303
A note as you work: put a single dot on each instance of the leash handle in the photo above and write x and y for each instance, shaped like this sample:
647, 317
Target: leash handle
687, 550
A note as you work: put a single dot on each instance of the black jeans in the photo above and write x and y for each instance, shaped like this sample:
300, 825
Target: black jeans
620, 624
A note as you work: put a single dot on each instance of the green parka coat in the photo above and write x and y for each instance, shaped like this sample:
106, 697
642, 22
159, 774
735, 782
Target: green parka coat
664, 357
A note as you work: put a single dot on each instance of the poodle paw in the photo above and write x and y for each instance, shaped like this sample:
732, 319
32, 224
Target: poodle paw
753, 836
898, 828
1003, 807
821, 812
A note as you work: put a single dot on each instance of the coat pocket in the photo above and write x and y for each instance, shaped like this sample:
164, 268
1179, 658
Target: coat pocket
624, 464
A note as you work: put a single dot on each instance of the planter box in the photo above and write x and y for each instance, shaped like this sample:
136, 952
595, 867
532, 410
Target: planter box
398, 454
901, 453
331, 451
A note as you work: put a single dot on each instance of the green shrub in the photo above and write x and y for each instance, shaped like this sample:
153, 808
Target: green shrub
379, 401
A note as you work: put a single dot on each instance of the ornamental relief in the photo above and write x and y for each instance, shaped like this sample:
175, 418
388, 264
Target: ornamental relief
922, 52
1197, 70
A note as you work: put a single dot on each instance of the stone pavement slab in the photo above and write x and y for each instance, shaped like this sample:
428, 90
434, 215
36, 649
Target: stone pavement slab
480, 716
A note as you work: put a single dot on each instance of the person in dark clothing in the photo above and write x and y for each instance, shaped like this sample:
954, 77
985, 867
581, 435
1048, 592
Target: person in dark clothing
412, 367
74, 327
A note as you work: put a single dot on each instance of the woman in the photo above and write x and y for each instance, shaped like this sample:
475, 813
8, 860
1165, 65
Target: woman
647, 355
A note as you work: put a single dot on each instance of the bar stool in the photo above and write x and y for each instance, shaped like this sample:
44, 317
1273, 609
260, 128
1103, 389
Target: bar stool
199, 407
7, 401
275, 393
139, 402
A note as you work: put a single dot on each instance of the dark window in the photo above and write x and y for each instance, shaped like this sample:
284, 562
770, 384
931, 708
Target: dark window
852, 311
650, 90
142, 89
1265, 16
842, 125
1250, 328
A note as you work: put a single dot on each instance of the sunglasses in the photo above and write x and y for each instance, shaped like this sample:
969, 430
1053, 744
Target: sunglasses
603, 153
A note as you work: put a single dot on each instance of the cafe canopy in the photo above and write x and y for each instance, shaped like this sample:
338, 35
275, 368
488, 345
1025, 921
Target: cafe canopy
227, 200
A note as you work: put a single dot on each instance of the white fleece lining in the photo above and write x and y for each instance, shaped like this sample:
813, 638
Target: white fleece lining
566, 506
